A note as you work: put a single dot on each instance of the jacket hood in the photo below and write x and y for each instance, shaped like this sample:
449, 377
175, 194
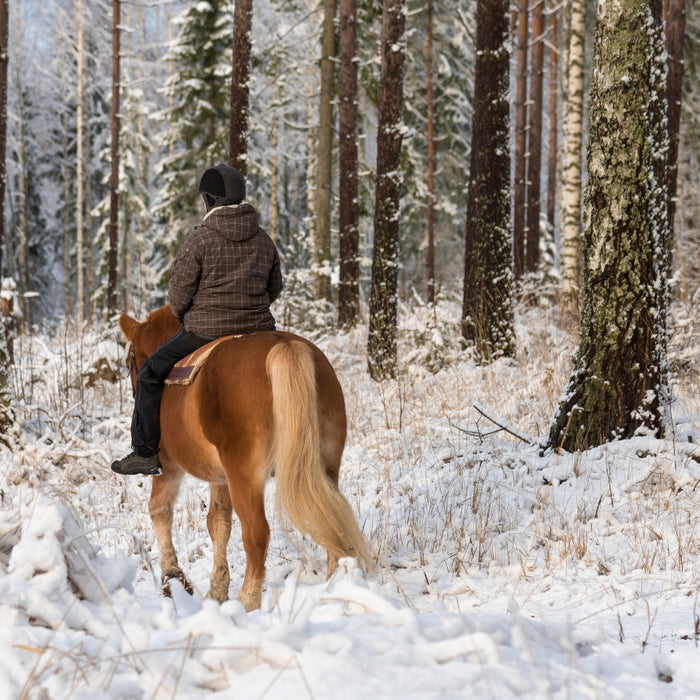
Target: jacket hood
237, 222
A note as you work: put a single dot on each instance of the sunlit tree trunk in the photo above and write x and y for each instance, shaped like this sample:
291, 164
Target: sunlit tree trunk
322, 243
487, 311
349, 281
571, 171
240, 93
618, 381
383, 311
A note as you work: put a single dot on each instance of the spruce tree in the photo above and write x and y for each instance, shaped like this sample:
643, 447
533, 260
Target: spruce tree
196, 121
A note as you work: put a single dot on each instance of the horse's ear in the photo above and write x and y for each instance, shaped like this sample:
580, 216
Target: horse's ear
128, 326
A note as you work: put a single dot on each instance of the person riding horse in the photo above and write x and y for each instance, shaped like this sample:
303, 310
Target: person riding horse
223, 282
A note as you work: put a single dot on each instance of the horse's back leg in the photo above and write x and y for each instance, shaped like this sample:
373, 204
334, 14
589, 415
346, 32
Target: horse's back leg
160, 506
219, 526
247, 496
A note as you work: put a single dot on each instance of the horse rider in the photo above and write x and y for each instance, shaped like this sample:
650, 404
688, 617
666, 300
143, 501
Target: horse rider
223, 281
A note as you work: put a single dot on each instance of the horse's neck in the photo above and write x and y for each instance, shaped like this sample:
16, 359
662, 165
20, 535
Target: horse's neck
162, 326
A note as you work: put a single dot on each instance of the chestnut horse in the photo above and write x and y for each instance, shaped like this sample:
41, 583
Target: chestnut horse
262, 403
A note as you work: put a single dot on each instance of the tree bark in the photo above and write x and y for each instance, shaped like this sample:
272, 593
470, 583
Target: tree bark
79, 202
240, 93
487, 311
675, 37
324, 160
6, 414
381, 344
552, 150
571, 172
520, 168
534, 160
618, 382
430, 252
4, 60
349, 282
114, 157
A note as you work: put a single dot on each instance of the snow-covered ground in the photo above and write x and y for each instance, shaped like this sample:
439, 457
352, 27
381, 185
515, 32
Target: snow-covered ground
501, 572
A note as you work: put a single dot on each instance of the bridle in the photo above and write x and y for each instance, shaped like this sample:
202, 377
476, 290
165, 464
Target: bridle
131, 364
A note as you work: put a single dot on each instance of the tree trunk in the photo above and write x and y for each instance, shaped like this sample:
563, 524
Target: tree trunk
519, 185
274, 176
618, 381
487, 315
675, 36
381, 344
79, 203
571, 175
4, 60
6, 415
430, 253
552, 150
534, 161
349, 282
67, 276
240, 93
322, 242
114, 178
22, 233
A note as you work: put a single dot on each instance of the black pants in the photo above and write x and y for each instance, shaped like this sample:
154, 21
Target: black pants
145, 422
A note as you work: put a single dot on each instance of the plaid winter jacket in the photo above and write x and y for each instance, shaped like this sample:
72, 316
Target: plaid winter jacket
226, 275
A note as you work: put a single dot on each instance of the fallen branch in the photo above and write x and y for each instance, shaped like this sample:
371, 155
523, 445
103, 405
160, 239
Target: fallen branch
503, 425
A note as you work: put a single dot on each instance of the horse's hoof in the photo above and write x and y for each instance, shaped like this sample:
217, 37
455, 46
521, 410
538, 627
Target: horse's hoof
217, 594
166, 578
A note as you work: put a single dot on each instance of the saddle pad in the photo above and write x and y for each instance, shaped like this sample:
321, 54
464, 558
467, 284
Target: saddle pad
186, 369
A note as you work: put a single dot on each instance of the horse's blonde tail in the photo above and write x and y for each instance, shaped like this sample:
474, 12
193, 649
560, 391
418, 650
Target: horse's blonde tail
304, 491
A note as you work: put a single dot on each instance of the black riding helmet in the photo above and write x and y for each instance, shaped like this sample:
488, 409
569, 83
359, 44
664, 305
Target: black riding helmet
222, 185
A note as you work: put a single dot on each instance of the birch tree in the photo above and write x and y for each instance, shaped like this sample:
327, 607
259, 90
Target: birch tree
571, 169
618, 382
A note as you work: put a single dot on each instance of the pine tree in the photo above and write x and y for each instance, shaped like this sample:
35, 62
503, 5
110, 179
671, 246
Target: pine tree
349, 282
383, 310
618, 381
240, 85
487, 312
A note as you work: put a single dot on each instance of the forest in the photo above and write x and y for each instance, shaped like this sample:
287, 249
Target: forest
487, 214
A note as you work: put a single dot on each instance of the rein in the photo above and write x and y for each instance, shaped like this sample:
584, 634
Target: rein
131, 364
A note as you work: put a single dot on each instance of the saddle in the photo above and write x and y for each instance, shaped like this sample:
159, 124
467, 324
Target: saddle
186, 369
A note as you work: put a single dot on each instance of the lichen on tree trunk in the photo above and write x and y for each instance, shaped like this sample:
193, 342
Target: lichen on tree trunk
618, 379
